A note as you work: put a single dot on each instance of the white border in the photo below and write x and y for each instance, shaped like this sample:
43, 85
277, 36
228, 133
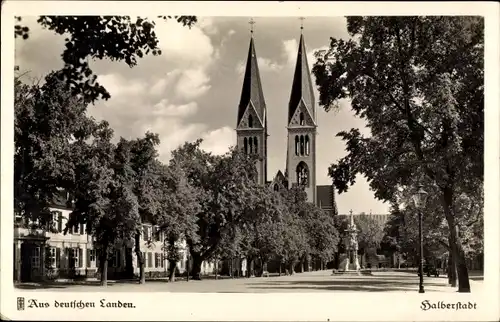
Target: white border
304, 306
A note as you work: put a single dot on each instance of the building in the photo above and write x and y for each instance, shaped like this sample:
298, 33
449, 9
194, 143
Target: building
42, 250
252, 129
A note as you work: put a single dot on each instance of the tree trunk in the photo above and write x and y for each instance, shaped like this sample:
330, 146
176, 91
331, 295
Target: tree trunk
171, 274
196, 270
302, 265
216, 268
279, 274
104, 268
455, 243
452, 270
252, 268
292, 268
141, 259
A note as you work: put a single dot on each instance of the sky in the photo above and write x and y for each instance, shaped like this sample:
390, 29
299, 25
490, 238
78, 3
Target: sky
193, 89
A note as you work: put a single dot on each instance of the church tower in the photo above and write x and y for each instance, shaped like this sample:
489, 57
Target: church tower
301, 146
251, 125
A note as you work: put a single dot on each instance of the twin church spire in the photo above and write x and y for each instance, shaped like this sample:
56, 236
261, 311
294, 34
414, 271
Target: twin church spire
252, 121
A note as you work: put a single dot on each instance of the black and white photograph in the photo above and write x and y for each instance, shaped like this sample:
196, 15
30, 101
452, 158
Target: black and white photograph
262, 155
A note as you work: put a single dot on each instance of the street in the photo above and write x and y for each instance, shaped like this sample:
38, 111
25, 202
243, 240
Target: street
318, 281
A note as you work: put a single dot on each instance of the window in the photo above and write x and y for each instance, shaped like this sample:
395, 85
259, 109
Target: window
91, 257
76, 229
250, 142
74, 256
156, 234
52, 257
255, 144
150, 259
276, 187
301, 118
162, 260
302, 174
35, 258
301, 145
250, 121
147, 233
307, 145
245, 143
296, 145
115, 258
157, 260
54, 224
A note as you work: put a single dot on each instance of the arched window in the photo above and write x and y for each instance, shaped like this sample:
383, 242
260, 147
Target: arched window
250, 121
276, 187
255, 144
307, 145
301, 118
302, 174
296, 145
250, 142
301, 145
245, 144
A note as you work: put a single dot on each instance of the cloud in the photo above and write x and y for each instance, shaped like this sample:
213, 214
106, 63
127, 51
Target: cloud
290, 51
207, 25
192, 83
266, 64
290, 48
164, 108
218, 141
240, 68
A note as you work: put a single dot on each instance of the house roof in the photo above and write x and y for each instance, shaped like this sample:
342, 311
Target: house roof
325, 197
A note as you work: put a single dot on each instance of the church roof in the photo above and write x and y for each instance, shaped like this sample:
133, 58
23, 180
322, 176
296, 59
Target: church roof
325, 198
302, 85
252, 87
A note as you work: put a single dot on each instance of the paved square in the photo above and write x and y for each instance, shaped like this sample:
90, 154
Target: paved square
319, 281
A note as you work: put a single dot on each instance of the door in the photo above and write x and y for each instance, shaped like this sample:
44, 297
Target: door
26, 254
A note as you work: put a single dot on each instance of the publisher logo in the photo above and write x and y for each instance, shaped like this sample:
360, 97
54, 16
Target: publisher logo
20, 303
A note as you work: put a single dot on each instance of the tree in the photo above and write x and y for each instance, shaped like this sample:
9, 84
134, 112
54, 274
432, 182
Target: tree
322, 234
418, 82
90, 192
179, 205
134, 172
370, 232
119, 38
47, 120
262, 226
295, 243
226, 182
403, 232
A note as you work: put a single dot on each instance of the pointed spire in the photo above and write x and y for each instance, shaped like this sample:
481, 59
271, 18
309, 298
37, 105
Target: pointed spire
352, 218
302, 85
251, 92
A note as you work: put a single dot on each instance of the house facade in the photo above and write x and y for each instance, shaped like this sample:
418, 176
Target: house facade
45, 252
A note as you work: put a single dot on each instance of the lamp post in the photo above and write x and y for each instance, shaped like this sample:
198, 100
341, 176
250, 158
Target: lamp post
419, 199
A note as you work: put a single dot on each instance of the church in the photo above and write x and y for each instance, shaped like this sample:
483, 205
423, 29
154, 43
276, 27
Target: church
252, 130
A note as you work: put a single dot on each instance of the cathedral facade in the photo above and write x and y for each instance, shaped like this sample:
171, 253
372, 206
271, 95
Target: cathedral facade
252, 134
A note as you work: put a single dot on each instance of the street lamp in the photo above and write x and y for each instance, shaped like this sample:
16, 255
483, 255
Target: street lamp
419, 199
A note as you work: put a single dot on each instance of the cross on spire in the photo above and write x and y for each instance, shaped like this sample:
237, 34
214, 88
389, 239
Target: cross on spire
251, 23
301, 23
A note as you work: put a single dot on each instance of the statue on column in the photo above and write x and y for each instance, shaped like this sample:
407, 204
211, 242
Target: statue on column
351, 262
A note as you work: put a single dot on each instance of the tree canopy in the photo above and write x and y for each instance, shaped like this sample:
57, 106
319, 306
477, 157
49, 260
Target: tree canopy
418, 82
118, 38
